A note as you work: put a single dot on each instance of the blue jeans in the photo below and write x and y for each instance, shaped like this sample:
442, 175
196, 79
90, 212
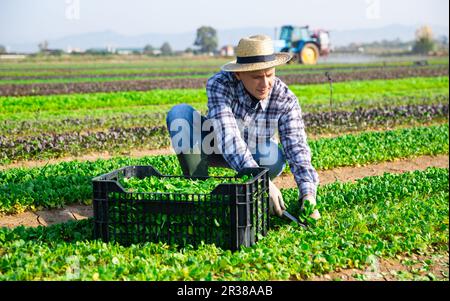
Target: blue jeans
186, 123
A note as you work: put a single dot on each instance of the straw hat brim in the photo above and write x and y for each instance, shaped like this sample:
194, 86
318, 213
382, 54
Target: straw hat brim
281, 58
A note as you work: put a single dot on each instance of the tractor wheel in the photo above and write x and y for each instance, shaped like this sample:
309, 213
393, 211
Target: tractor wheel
309, 54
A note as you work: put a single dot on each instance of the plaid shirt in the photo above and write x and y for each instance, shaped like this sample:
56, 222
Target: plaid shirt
231, 112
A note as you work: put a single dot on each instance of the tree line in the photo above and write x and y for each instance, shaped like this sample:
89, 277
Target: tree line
206, 41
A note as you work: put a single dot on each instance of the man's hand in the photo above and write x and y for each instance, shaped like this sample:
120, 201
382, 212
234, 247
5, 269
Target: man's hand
276, 203
312, 201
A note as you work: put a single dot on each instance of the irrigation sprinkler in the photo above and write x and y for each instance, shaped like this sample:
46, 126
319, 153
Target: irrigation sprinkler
330, 80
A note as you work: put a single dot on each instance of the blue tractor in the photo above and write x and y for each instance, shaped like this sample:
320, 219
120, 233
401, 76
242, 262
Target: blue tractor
305, 44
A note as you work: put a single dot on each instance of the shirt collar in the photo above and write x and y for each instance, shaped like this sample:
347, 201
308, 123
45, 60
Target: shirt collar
264, 102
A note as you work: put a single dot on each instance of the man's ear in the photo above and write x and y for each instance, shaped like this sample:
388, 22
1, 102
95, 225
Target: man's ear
237, 75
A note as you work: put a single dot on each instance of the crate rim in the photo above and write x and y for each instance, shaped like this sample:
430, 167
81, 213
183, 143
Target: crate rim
101, 179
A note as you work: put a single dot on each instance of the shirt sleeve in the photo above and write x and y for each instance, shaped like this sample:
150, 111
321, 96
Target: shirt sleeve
234, 149
293, 138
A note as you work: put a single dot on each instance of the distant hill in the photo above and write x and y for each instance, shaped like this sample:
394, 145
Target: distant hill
181, 41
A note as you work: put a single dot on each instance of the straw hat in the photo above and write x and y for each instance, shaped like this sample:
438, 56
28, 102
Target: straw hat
256, 53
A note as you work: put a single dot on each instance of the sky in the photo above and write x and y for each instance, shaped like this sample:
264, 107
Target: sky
34, 20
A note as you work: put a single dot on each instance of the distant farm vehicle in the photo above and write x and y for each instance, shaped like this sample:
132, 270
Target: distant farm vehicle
306, 45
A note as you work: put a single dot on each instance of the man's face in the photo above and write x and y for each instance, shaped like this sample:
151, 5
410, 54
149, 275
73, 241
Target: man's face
258, 83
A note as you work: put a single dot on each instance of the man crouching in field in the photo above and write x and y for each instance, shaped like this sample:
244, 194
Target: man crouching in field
247, 104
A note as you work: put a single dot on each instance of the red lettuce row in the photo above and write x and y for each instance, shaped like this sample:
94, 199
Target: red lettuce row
198, 83
52, 143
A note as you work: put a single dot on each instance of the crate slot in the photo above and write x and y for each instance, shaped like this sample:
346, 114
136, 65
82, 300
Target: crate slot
230, 216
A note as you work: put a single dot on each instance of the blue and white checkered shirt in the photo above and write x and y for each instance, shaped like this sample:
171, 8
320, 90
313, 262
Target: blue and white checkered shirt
230, 109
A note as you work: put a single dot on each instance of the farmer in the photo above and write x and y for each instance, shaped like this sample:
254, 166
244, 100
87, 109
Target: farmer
247, 105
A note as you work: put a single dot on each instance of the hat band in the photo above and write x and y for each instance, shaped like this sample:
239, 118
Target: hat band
255, 59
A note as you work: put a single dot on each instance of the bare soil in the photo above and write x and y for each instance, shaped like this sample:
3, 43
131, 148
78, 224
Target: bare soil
350, 174
401, 268
47, 217
90, 157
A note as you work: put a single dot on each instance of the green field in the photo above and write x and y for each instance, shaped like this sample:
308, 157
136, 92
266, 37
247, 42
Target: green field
373, 219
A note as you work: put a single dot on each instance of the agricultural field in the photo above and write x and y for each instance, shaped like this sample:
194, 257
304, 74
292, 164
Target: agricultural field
63, 123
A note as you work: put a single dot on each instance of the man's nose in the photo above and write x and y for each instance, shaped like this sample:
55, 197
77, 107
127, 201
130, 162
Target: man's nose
265, 82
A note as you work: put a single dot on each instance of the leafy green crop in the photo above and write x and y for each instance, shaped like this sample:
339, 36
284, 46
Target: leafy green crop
179, 211
63, 183
23, 140
371, 147
176, 184
92, 64
362, 222
307, 94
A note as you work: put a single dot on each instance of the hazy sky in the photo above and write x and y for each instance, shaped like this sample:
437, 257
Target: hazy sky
34, 20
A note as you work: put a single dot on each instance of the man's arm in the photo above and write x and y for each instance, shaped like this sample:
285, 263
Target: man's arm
293, 138
234, 149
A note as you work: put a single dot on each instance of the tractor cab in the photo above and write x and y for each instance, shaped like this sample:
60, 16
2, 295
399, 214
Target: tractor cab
295, 37
307, 45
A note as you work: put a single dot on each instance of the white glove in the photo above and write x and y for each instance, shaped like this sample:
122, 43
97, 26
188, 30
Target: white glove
308, 198
276, 203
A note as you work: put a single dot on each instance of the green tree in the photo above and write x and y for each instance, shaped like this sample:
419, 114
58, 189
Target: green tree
148, 49
166, 49
43, 46
2, 49
424, 42
206, 39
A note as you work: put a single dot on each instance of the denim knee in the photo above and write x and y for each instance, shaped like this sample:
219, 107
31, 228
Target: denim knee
182, 111
272, 158
276, 169
184, 123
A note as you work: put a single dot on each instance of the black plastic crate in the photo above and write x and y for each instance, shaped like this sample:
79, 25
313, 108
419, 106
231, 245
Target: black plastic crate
231, 216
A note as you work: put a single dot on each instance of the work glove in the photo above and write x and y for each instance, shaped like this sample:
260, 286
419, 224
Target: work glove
276, 203
312, 200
